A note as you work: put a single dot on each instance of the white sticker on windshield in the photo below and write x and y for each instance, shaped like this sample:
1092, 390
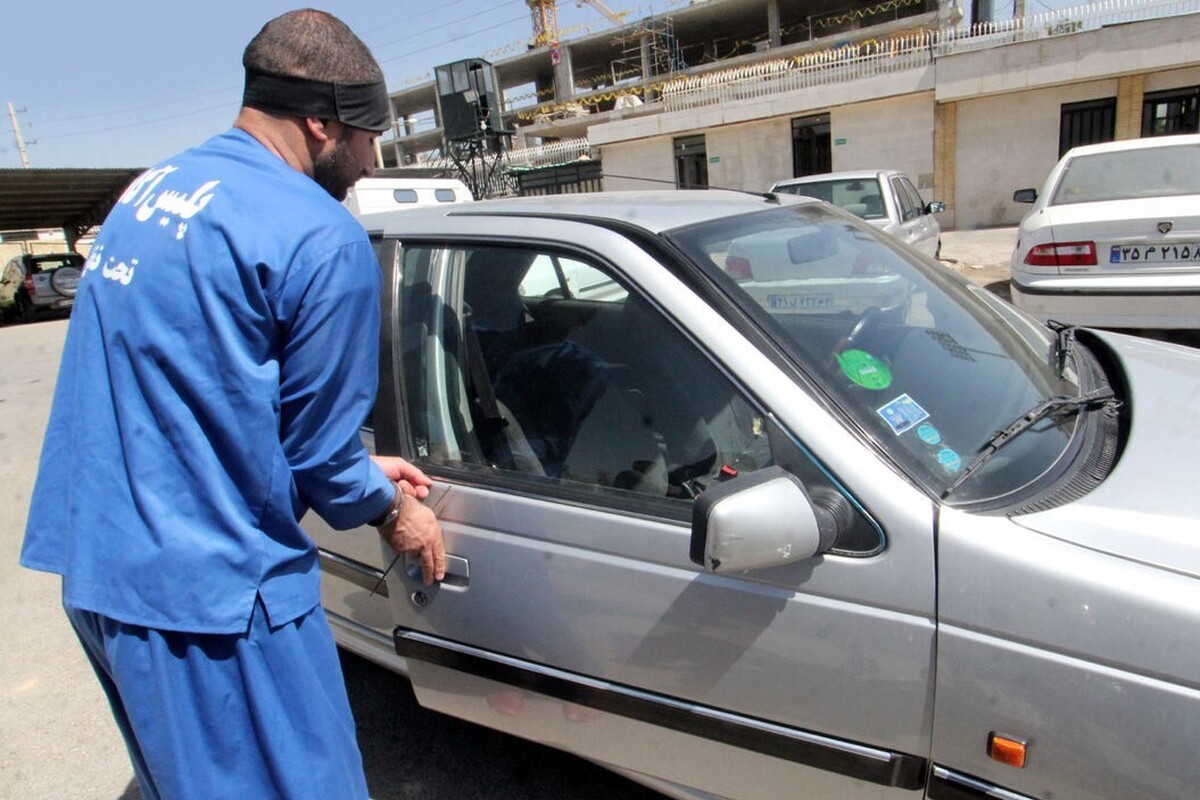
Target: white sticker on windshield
902, 414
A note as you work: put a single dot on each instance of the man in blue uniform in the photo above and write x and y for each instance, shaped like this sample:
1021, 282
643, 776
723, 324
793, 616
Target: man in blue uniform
222, 353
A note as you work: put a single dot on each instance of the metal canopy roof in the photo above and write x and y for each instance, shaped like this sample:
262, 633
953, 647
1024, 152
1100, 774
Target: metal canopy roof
71, 199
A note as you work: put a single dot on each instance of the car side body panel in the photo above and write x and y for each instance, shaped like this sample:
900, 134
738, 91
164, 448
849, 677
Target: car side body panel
1087, 656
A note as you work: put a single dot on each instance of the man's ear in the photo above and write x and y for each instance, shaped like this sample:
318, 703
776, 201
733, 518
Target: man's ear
318, 129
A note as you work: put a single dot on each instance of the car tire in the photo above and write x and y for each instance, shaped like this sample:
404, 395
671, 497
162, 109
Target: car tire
25, 310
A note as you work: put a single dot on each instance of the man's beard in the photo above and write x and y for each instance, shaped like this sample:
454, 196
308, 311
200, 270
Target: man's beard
336, 172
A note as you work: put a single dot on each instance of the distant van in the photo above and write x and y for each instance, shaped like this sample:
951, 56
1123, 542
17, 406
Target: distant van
375, 195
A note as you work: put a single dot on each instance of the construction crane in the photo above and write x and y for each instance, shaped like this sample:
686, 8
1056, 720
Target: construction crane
545, 18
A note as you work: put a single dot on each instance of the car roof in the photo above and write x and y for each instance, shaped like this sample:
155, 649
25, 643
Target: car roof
860, 174
1134, 144
653, 211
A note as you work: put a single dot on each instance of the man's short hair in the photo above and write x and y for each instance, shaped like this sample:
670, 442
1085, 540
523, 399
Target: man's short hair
312, 44
307, 63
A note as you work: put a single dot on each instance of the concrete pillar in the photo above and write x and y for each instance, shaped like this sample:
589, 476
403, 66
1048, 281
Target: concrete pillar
564, 75
773, 27
945, 145
1131, 90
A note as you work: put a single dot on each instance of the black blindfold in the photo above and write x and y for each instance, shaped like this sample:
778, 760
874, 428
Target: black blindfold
362, 105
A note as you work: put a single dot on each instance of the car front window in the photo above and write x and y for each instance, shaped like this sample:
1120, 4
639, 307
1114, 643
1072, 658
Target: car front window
542, 370
923, 365
1141, 172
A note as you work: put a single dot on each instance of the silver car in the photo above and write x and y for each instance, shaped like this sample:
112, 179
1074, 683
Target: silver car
857, 533
34, 284
885, 198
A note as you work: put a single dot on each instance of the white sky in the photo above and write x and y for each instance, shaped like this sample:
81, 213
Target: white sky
126, 83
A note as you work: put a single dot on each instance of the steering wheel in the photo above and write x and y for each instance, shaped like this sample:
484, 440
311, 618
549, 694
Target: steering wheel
864, 326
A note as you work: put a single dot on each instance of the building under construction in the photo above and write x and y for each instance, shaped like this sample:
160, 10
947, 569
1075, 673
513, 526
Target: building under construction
559, 87
743, 93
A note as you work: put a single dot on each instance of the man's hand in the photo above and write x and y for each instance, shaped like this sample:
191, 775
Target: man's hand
413, 482
416, 532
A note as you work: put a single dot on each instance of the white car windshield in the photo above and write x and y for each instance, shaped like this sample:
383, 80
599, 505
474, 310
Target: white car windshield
1123, 174
925, 364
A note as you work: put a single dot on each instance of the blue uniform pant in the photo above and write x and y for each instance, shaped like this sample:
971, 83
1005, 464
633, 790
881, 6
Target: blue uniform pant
258, 715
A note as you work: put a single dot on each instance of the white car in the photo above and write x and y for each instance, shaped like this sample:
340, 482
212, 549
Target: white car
1114, 238
885, 198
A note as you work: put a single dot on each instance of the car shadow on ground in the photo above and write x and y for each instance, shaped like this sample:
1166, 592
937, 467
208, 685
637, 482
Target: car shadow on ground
410, 752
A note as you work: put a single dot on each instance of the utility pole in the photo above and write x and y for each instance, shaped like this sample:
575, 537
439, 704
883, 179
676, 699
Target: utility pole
12, 116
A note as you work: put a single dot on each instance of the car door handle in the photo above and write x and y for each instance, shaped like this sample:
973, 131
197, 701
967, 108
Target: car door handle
458, 571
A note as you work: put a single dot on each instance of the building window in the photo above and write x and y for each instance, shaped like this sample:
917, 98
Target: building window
811, 154
1090, 122
691, 162
1174, 111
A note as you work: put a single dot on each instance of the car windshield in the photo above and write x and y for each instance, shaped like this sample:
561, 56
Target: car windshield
926, 365
862, 197
1142, 172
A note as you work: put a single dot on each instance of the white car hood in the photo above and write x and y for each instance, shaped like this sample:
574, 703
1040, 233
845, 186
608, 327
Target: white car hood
1148, 509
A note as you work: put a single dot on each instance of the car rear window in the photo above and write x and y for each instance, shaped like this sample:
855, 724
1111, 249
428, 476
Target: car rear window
47, 264
862, 197
1125, 174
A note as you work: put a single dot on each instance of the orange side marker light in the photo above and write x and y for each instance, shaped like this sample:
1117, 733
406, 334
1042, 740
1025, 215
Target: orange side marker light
1007, 749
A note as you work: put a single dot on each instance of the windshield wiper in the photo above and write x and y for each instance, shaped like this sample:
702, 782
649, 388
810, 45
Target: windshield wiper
1064, 343
1058, 407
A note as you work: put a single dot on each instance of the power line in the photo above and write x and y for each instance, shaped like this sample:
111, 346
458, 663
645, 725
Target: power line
139, 123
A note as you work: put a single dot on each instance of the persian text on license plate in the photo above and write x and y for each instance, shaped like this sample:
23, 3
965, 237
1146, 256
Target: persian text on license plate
1179, 252
799, 302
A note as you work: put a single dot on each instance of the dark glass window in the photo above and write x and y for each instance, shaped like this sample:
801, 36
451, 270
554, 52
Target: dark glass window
1170, 112
691, 162
1090, 122
811, 154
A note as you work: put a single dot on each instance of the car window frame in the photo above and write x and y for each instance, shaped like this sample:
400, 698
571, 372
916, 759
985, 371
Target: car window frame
908, 211
797, 457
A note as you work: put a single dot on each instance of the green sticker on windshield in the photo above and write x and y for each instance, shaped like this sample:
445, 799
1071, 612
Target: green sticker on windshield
865, 369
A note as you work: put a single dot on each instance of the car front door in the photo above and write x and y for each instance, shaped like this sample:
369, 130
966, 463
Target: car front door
570, 406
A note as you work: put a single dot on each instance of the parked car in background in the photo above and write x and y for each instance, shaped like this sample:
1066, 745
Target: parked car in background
375, 195
885, 198
1113, 240
742, 498
37, 284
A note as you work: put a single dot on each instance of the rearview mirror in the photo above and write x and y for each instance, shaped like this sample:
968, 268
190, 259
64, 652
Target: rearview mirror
763, 519
1025, 196
812, 245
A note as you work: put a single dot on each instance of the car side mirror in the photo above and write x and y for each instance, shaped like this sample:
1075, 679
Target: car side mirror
1025, 196
764, 519
936, 207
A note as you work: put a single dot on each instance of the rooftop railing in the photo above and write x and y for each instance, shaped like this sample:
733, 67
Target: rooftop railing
872, 58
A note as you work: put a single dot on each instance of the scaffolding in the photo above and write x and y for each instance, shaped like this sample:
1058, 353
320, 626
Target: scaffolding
649, 51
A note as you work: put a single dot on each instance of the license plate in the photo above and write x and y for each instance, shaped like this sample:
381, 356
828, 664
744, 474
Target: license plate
799, 302
1175, 253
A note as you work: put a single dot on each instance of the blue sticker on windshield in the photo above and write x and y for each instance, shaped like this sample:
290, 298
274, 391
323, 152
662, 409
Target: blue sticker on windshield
950, 460
929, 434
902, 414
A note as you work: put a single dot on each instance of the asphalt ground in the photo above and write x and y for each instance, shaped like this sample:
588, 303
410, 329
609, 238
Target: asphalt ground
57, 737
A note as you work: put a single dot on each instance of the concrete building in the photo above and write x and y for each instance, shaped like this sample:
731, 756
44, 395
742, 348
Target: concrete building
742, 93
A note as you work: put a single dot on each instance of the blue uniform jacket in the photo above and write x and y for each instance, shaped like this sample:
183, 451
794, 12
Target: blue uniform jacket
221, 356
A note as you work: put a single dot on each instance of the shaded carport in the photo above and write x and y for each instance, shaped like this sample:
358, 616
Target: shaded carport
74, 200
